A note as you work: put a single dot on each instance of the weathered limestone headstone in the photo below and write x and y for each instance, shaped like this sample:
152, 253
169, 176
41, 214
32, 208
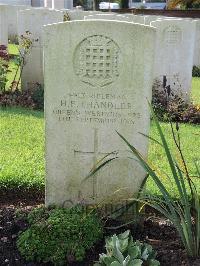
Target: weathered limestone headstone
150, 18
69, 4
96, 83
17, 2
11, 17
58, 4
3, 26
113, 16
174, 53
135, 18
33, 21
197, 44
80, 14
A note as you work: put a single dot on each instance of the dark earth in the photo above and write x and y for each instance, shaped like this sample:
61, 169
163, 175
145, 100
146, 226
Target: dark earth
156, 231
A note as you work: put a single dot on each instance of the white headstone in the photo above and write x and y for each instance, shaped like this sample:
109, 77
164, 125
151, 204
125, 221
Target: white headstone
113, 16
3, 26
97, 83
150, 18
58, 4
135, 18
16, 2
69, 4
80, 14
12, 13
197, 44
174, 53
33, 21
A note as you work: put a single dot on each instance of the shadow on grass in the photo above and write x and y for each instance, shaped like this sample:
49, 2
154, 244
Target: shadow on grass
22, 111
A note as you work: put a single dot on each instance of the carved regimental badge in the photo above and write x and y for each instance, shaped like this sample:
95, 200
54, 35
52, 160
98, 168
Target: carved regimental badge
96, 60
172, 35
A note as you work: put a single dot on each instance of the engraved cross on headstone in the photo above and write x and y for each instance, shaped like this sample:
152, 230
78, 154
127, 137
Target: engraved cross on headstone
95, 154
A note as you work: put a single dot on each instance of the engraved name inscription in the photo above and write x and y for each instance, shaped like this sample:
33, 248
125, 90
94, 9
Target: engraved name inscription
99, 108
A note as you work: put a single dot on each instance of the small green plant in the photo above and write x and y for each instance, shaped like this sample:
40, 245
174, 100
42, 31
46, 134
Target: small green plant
196, 71
4, 65
123, 251
172, 107
59, 235
38, 96
26, 43
66, 17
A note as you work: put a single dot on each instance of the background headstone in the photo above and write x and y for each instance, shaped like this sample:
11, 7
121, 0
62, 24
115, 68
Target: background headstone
3, 26
149, 19
135, 18
12, 13
16, 2
33, 21
80, 14
97, 82
174, 53
113, 16
197, 44
58, 4
69, 4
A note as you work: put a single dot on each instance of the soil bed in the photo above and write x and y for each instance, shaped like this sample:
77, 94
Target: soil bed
158, 232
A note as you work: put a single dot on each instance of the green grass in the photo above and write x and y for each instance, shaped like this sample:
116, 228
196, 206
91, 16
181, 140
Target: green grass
13, 49
190, 141
22, 147
11, 75
196, 90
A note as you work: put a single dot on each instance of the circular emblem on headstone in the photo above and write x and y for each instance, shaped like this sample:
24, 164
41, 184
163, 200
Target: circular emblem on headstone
96, 60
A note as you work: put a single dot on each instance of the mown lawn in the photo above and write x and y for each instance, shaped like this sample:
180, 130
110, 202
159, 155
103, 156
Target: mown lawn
190, 142
196, 90
13, 51
22, 149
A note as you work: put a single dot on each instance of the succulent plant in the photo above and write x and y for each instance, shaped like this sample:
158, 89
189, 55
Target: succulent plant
123, 251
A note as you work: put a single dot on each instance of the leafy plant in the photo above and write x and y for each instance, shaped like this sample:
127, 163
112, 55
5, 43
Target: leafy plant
185, 4
123, 251
172, 107
196, 71
4, 60
57, 235
66, 17
185, 214
26, 43
32, 98
38, 96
